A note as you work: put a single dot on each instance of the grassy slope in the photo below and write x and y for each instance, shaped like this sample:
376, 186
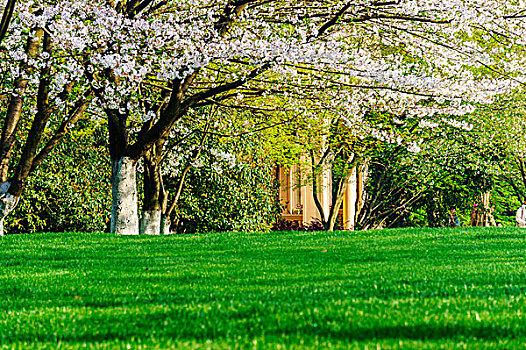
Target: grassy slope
402, 288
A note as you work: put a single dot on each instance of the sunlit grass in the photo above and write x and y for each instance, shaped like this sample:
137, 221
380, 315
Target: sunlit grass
425, 288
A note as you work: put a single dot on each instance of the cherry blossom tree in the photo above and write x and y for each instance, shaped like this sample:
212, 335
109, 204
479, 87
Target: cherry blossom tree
151, 62
498, 143
41, 104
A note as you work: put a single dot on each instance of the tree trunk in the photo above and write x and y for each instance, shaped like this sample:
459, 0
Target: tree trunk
7, 203
166, 223
486, 217
6, 18
14, 110
11, 191
124, 209
151, 222
361, 179
337, 200
124, 216
155, 196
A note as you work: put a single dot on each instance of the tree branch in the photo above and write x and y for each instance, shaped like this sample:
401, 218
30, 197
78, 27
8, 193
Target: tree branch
73, 116
6, 18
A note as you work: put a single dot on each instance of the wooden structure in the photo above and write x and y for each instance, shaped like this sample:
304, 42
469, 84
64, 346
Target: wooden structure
296, 195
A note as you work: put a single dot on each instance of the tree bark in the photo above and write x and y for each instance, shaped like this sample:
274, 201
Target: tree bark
124, 210
124, 216
337, 200
155, 197
6, 18
520, 163
38, 126
151, 222
361, 179
340, 186
14, 110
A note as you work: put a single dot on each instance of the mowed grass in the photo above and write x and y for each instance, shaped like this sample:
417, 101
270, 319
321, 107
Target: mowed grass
391, 289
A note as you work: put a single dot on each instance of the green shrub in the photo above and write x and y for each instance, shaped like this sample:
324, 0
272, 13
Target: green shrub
220, 195
70, 191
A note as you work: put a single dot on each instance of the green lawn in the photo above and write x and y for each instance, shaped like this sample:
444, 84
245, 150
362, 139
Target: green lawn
425, 288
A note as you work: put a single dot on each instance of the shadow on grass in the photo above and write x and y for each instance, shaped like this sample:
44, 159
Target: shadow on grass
500, 236
423, 332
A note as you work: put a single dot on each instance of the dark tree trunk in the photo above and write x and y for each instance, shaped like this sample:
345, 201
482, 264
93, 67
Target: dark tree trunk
337, 200
155, 196
37, 128
14, 110
6, 18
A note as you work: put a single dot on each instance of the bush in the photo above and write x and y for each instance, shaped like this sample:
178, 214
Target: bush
314, 225
220, 197
70, 191
286, 225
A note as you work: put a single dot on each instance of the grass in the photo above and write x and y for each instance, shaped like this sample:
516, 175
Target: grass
391, 289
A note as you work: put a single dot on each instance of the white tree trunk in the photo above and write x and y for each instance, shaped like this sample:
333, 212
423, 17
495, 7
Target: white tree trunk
151, 222
124, 213
165, 225
7, 204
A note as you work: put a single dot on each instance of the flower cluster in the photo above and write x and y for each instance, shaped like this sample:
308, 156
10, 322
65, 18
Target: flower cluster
415, 58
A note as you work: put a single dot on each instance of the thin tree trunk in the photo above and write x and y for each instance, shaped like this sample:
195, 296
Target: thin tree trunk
6, 18
14, 110
155, 198
361, 178
37, 127
520, 163
337, 201
166, 221
341, 188
315, 192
